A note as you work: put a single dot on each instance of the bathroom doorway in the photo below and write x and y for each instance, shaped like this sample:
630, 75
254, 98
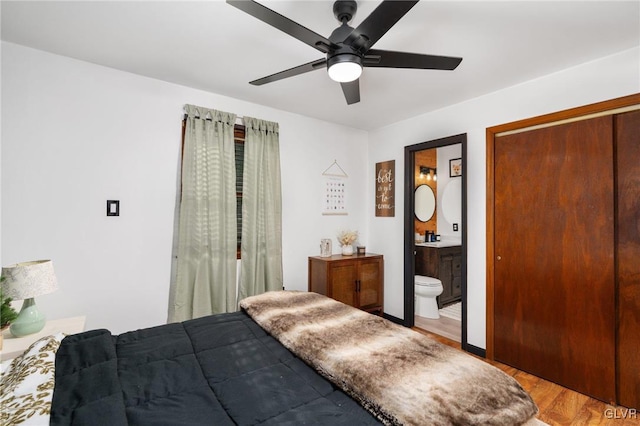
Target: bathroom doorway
436, 168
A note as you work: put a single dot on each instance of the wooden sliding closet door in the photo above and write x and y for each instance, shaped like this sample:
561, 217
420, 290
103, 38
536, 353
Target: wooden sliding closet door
628, 200
554, 297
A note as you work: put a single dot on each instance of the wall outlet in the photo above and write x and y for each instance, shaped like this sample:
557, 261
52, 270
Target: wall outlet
455, 227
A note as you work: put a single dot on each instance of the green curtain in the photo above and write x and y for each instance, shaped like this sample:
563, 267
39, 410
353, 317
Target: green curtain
261, 246
206, 264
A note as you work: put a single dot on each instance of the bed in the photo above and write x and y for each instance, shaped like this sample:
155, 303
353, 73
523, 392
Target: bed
287, 358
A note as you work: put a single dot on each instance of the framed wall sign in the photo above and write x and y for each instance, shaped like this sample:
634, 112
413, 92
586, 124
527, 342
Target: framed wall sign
385, 188
455, 167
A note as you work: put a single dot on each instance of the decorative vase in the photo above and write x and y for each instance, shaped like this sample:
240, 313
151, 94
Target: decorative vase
325, 247
347, 250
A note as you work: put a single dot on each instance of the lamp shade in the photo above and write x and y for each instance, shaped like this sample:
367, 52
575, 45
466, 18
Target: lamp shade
29, 279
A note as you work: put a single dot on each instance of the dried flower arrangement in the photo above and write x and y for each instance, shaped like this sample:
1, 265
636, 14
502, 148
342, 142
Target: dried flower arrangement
347, 237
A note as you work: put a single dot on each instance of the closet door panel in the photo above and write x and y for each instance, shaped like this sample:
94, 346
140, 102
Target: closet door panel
628, 233
554, 289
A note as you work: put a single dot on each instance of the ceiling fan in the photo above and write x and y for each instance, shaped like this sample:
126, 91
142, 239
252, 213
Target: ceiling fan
348, 50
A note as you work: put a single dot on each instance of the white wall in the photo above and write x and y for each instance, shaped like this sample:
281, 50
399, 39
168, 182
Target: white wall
75, 134
607, 78
445, 225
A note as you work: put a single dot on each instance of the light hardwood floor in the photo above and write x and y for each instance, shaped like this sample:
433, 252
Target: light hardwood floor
560, 406
444, 326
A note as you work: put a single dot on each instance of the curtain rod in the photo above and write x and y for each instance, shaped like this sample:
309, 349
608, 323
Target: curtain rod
239, 118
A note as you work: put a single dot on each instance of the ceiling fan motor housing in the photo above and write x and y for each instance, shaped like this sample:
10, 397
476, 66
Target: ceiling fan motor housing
343, 52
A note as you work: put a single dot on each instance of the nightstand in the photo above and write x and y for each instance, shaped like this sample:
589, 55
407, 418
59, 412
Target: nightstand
14, 346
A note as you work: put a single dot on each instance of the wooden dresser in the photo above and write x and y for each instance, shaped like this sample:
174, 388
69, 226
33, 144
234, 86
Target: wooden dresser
356, 280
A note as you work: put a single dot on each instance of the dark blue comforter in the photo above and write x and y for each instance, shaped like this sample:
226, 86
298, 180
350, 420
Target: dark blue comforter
218, 370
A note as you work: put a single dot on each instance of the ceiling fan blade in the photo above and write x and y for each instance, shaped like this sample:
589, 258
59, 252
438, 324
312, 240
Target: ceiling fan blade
378, 23
391, 59
284, 24
301, 69
351, 91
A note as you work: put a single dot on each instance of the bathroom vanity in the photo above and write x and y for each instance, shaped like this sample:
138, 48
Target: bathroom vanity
442, 261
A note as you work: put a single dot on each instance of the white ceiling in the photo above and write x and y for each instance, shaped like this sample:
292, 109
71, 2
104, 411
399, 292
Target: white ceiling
213, 46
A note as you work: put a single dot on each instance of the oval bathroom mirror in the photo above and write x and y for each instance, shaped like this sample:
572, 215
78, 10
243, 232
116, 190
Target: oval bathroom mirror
451, 203
425, 203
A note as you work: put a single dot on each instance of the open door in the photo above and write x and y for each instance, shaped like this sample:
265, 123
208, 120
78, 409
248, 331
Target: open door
409, 246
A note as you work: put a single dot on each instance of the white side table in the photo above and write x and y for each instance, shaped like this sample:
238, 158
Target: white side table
14, 346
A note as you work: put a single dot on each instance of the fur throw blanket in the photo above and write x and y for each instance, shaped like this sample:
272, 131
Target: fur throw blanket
401, 376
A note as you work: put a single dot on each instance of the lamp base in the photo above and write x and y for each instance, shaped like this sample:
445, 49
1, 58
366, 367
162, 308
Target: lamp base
29, 320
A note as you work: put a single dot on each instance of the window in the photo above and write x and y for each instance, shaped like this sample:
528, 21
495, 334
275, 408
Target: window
238, 138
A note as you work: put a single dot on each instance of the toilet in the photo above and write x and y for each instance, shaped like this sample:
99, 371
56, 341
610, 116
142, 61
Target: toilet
427, 289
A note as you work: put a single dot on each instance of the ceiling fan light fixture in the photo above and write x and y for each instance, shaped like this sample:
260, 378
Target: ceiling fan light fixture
346, 47
344, 68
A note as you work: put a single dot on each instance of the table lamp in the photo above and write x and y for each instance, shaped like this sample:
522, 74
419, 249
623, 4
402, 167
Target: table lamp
24, 281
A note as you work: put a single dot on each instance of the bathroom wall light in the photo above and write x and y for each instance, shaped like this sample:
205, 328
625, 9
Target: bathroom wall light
425, 172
